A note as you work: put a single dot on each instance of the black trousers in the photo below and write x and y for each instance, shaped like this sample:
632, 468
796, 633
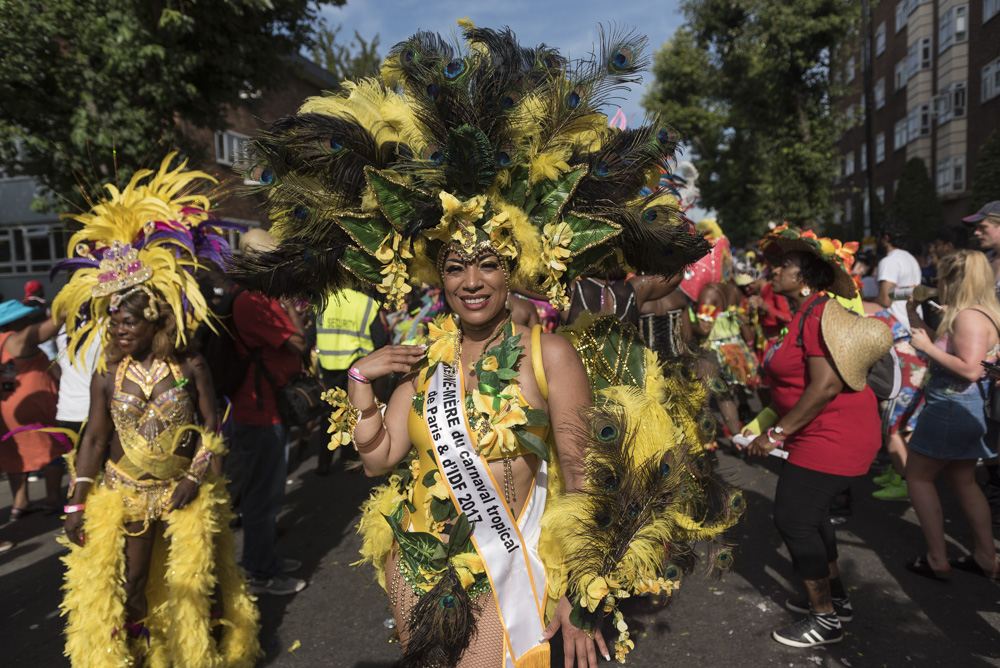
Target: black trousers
802, 516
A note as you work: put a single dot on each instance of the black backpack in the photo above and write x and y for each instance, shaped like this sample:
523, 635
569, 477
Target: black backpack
885, 377
219, 349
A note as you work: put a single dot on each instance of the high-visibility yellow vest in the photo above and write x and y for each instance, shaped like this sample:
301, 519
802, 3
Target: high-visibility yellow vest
343, 333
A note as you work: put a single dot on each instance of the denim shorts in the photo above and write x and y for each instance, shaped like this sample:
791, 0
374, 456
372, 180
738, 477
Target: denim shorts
952, 426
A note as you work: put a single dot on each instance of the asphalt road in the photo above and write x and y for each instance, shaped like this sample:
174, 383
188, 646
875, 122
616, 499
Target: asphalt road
900, 619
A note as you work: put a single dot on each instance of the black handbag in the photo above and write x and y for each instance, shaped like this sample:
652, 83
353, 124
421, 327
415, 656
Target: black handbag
301, 400
991, 397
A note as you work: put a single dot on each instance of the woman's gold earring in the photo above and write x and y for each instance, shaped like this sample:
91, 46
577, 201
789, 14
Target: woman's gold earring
805, 291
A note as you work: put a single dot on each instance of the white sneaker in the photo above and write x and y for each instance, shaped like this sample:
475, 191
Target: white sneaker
279, 585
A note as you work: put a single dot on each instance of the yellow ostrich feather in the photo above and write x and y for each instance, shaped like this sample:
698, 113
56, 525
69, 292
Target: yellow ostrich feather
376, 534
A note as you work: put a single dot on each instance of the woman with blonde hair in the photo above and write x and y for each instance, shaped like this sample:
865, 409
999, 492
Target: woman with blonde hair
948, 439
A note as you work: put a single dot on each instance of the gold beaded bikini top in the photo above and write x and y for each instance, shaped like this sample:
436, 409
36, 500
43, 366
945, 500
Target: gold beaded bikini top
148, 427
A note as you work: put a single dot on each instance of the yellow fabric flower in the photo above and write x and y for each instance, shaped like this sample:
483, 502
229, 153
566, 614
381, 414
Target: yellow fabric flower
467, 566
443, 334
342, 419
498, 428
597, 589
555, 245
392, 253
458, 218
490, 363
499, 227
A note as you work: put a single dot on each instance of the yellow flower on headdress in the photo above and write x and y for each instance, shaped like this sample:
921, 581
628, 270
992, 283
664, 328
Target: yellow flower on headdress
443, 334
499, 424
826, 247
499, 227
342, 419
392, 253
458, 218
555, 245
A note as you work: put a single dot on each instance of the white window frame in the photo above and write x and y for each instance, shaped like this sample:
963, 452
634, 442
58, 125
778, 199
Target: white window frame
912, 60
991, 80
848, 213
958, 173
864, 158
227, 146
961, 23
880, 195
16, 248
946, 30
926, 53
880, 39
925, 120
849, 70
912, 124
880, 148
849, 164
990, 9
880, 93
943, 180
899, 76
899, 135
838, 213
959, 99
901, 15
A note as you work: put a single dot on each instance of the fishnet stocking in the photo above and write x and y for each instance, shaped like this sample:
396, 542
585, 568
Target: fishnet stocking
486, 648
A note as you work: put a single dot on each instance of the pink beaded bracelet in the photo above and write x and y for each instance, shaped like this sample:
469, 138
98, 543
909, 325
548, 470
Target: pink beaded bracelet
73, 509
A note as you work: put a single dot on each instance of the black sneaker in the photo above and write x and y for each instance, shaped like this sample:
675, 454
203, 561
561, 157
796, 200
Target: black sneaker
842, 606
811, 631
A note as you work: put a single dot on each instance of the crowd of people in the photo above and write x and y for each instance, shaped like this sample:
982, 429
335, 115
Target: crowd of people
528, 353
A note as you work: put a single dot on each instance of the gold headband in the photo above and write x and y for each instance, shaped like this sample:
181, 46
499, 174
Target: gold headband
152, 310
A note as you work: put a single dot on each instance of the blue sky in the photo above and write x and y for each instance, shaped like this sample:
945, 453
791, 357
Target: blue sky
570, 26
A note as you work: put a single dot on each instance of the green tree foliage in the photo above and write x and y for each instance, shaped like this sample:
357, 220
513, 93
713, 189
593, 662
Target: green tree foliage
915, 201
353, 60
986, 180
97, 88
747, 85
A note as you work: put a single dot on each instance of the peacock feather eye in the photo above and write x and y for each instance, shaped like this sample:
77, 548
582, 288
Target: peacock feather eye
433, 154
575, 97
666, 137
510, 100
432, 91
603, 520
550, 62
671, 573
602, 169
406, 56
610, 483
336, 145
737, 502
263, 175
301, 212
665, 469
725, 559
454, 69
608, 432
650, 214
621, 59
503, 158
632, 509
447, 601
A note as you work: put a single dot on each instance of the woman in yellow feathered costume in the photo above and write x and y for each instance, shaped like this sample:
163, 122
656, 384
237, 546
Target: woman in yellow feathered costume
151, 576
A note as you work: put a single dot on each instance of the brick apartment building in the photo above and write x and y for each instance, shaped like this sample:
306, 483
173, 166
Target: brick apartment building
31, 242
936, 96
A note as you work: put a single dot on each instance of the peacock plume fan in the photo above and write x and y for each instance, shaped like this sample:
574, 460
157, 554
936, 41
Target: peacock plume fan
485, 143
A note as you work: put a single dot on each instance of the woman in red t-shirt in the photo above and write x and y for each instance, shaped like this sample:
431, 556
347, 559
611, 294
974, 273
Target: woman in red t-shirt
831, 432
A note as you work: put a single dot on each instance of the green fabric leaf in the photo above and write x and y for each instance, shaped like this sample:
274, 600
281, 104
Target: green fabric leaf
364, 266
547, 198
442, 509
428, 479
584, 261
582, 618
491, 380
369, 232
532, 442
506, 374
459, 535
536, 417
588, 232
399, 203
519, 188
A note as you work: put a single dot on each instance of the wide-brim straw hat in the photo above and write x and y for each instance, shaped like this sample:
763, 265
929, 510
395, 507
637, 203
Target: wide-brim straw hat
843, 284
855, 342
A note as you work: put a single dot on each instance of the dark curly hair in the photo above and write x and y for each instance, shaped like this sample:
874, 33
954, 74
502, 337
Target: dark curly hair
816, 273
897, 230
164, 346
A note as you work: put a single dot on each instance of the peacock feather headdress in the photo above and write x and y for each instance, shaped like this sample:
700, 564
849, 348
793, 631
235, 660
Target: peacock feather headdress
146, 237
484, 145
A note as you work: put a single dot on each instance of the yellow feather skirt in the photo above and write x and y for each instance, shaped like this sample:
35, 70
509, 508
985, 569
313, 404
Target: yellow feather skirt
193, 560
